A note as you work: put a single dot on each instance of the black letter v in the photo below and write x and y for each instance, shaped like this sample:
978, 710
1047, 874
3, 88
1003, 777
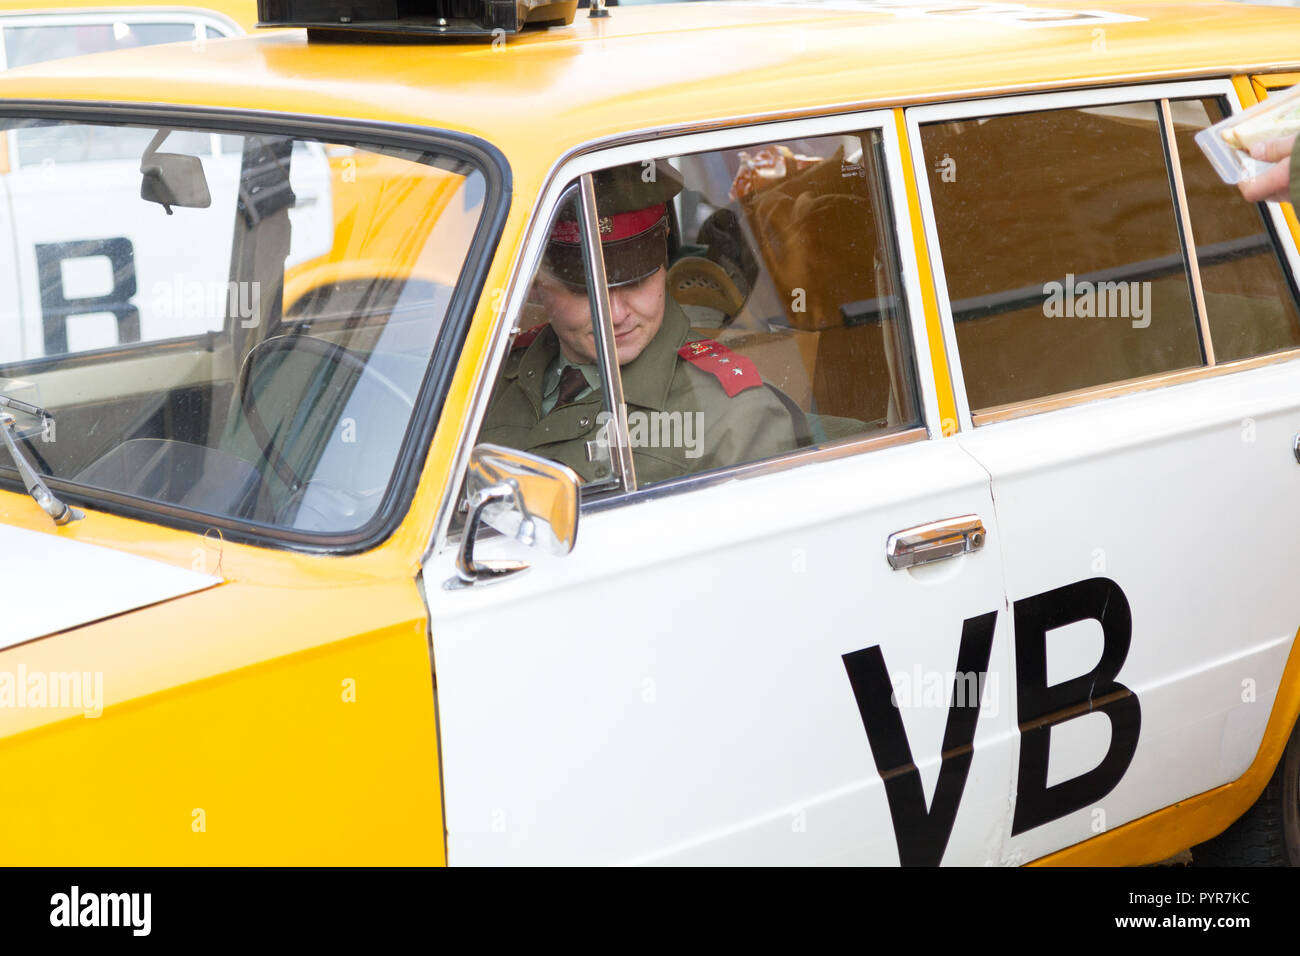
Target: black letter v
922, 833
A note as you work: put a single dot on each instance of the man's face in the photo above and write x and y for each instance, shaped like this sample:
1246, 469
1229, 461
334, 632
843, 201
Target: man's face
638, 312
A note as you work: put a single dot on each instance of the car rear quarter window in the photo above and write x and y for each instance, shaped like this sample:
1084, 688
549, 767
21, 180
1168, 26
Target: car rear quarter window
1249, 299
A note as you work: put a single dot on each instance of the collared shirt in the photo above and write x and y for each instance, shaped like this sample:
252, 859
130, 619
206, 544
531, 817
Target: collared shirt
551, 382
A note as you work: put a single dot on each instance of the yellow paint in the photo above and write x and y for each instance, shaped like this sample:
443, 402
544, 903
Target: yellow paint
1158, 836
234, 702
539, 95
385, 210
230, 700
1275, 81
929, 301
1249, 90
4, 152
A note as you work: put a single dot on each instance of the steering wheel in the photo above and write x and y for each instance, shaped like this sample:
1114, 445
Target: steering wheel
326, 351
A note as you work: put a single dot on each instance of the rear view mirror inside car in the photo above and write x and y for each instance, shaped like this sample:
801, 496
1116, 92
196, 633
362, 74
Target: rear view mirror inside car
173, 179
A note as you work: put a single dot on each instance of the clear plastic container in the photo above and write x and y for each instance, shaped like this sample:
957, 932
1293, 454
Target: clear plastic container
1227, 143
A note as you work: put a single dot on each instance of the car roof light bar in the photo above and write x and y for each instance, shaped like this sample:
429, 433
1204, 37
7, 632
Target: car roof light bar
422, 19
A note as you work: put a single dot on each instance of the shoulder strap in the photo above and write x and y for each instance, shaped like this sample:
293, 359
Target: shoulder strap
525, 338
735, 373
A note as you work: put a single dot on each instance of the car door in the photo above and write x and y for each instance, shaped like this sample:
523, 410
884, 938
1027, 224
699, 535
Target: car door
727, 668
1124, 330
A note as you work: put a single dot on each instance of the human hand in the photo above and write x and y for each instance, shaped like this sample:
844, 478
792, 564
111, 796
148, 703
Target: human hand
1275, 183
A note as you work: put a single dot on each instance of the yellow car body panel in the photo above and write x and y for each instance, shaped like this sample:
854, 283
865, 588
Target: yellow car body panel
538, 95
227, 733
285, 716
302, 733
933, 321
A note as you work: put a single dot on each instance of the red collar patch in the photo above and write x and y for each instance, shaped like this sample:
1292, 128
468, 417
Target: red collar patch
525, 338
734, 373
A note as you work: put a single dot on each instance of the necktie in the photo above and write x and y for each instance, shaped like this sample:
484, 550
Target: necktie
572, 382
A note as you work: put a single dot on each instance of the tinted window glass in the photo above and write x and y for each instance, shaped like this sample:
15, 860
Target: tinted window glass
1248, 298
1061, 250
824, 316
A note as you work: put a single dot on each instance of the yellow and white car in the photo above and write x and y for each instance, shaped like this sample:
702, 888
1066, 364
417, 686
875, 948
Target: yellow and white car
1021, 591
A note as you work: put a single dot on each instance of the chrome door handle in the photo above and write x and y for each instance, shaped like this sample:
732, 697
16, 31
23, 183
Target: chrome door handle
934, 541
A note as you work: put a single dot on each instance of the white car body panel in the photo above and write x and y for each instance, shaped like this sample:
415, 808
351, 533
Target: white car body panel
1186, 497
685, 700
54, 583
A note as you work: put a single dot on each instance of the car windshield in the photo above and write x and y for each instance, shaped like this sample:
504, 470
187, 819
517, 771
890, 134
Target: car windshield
232, 324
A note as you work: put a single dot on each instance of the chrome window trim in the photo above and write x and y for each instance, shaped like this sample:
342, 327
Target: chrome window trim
620, 446
1183, 213
613, 151
1064, 99
1003, 413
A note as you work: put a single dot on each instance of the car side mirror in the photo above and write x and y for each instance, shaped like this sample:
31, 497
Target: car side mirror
529, 499
173, 179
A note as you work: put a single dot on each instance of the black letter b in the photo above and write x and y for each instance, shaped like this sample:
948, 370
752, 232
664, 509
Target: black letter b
1041, 707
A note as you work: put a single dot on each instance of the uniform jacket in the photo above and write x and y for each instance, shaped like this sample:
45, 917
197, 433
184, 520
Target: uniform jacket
681, 417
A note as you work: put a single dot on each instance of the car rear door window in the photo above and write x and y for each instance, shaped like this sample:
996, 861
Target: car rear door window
1061, 250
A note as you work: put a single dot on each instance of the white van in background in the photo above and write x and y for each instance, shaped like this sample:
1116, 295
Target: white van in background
118, 280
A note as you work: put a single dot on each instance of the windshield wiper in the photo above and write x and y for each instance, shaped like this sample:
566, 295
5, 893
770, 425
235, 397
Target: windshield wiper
36, 487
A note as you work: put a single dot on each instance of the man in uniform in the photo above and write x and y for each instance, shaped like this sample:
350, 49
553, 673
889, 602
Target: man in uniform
693, 405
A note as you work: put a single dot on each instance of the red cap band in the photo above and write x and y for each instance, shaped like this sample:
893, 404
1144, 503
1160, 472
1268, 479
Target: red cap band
624, 225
